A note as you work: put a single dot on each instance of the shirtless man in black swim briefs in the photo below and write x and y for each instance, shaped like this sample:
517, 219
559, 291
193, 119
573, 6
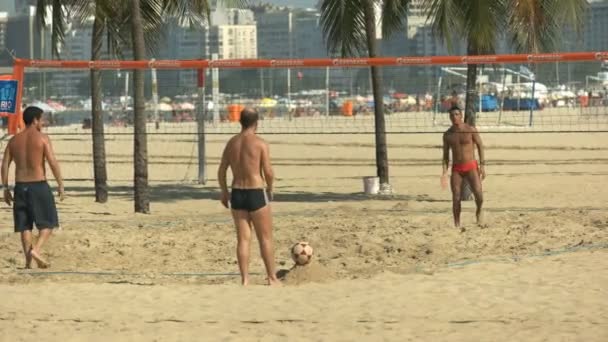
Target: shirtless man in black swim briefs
462, 140
33, 200
248, 157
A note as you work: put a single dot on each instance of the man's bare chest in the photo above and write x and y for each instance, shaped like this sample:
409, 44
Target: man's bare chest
460, 138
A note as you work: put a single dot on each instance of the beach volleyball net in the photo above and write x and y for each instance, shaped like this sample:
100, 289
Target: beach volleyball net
560, 92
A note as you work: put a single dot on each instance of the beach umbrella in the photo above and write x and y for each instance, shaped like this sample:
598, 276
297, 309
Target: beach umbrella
165, 107
268, 103
186, 106
57, 106
45, 107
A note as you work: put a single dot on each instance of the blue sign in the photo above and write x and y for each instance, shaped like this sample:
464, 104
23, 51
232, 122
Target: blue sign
8, 96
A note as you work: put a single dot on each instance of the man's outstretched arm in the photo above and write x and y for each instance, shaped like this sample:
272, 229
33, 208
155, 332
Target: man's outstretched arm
445, 161
480, 152
49, 155
267, 169
221, 177
6, 162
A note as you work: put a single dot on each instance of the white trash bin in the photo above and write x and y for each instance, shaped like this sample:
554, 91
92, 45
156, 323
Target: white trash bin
371, 185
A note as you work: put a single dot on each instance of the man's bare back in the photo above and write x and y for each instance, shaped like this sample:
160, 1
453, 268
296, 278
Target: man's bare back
247, 158
28, 151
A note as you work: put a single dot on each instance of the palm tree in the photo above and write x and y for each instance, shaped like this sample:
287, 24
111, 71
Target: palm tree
532, 25
140, 146
145, 18
60, 11
97, 129
82, 10
349, 27
102, 10
191, 10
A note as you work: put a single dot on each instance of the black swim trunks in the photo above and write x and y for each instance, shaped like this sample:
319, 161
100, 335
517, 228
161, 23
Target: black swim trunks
34, 204
248, 199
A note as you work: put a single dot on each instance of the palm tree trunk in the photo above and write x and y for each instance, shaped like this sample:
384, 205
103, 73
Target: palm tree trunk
99, 147
470, 116
471, 95
140, 146
471, 101
372, 46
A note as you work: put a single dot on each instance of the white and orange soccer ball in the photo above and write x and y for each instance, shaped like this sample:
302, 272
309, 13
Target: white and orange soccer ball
301, 253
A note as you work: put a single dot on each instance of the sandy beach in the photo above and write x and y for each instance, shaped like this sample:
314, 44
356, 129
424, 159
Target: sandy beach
385, 268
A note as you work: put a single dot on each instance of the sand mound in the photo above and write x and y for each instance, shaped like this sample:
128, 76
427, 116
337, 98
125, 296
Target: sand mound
311, 273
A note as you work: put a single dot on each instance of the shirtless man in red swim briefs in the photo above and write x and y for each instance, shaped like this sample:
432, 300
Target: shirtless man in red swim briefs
461, 139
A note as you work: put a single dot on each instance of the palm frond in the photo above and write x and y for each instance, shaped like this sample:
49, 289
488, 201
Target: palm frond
571, 12
57, 22
58, 26
343, 24
394, 16
116, 42
536, 25
81, 10
152, 12
41, 18
118, 28
153, 36
192, 11
446, 19
527, 22
483, 20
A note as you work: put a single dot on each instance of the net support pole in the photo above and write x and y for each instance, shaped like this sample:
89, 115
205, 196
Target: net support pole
518, 93
15, 121
327, 91
290, 53
215, 91
126, 102
533, 103
437, 97
200, 127
533, 100
155, 96
480, 73
502, 96
289, 94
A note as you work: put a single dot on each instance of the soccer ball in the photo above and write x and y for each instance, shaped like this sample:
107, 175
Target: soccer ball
301, 253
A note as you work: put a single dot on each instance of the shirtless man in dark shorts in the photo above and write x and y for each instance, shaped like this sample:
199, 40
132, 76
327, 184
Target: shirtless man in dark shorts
248, 157
462, 139
33, 200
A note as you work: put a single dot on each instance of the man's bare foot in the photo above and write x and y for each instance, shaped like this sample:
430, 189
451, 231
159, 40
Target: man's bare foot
274, 282
245, 282
38, 259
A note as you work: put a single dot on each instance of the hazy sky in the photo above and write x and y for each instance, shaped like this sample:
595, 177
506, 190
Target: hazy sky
7, 6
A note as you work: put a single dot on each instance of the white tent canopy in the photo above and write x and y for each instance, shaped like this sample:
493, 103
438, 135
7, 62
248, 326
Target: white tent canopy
45, 107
